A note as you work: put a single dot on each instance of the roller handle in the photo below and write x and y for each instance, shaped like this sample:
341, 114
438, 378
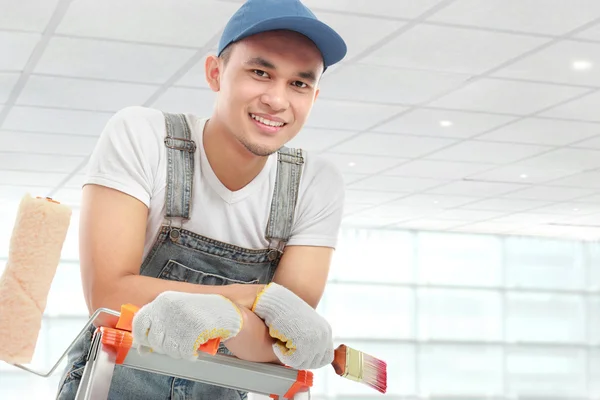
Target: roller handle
126, 320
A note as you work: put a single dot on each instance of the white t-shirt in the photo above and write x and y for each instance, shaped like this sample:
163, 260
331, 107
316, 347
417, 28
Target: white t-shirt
130, 156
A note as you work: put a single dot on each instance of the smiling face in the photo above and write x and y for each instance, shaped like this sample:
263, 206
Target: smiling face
267, 85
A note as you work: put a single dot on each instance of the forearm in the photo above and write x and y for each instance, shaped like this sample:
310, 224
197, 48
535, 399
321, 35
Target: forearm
253, 342
141, 290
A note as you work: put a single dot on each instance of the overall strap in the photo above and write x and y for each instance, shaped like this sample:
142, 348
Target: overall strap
180, 166
285, 197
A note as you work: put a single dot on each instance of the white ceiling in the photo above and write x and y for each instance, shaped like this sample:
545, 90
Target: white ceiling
522, 153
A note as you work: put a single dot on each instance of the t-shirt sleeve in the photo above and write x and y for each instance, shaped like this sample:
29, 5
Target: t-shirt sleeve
127, 153
320, 205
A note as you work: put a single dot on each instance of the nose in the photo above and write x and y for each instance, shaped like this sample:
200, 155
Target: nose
276, 98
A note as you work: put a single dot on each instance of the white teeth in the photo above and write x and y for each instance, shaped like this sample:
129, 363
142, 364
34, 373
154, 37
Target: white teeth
266, 121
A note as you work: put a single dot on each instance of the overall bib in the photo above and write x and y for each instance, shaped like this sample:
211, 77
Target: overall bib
181, 255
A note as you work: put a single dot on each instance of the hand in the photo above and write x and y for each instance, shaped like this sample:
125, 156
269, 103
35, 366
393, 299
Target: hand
303, 338
177, 323
243, 294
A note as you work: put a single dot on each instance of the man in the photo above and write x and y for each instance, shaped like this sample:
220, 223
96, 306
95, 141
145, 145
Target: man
212, 225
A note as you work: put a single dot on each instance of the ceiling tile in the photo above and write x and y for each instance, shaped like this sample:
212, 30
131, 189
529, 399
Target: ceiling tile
433, 202
589, 179
505, 205
89, 58
365, 221
347, 115
391, 213
56, 121
46, 143
16, 48
571, 209
16, 178
579, 233
396, 9
430, 224
555, 17
384, 144
370, 197
443, 123
467, 215
592, 33
7, 82
183, 100
352, 163
486, 227
565, 159
75, 93
475, 189
318, 140
543, 131
528, 218
357, 41
27, 15
350, 177
452, 49
555, 64
395, 184
196, 77
438, 169
487, 152
39, 162
585, 108
593, 199
549, 193
593, 143
519, 174
181, 23
387, 85
500, 96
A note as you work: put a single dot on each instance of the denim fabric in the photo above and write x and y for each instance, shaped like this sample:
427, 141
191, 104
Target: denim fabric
181, 255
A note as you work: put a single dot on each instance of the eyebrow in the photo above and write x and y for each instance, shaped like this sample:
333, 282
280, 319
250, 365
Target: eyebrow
261, 62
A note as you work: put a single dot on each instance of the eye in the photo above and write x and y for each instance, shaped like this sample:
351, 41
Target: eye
261, 73
299, 84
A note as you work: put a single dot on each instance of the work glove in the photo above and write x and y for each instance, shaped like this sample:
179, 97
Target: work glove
303, 337
177, 323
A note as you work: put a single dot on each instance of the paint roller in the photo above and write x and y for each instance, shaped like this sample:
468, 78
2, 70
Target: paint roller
34, 253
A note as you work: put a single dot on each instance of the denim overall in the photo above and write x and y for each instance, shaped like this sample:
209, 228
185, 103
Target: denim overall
184, 256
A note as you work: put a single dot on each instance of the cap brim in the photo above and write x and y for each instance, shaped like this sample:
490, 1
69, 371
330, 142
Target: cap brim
331, 45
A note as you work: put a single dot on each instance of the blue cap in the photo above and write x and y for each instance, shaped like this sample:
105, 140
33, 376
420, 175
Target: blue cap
257, 16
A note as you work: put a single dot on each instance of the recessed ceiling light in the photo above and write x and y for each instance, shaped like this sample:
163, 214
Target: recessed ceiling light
582, 65
576, 209
435, 202
523, 176
445, 124
351, 164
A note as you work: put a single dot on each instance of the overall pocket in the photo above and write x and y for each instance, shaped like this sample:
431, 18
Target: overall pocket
175, 271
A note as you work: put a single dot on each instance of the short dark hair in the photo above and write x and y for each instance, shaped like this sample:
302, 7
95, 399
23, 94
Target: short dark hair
226, 53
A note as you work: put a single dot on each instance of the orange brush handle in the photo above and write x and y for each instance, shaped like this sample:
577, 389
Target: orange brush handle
126, 320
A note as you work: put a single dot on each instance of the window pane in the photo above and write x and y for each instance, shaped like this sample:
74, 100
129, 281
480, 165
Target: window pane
459, 259
373, 256
548, 372
594, 373
400, 361
544, 263
593, 256
594, 320
66, 293
460, 370
460, 314
23, 385
545, 318
357, 311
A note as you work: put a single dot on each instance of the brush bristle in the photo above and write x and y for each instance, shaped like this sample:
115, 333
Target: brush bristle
375, 373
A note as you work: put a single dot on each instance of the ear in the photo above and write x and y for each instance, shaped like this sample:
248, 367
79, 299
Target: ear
212, 70
316, 94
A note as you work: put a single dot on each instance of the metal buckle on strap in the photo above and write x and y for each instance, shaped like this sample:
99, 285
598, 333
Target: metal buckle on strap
275, 249
180, 144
